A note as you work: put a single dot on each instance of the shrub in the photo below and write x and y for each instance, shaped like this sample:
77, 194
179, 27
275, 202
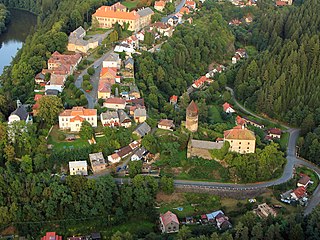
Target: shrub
61, 136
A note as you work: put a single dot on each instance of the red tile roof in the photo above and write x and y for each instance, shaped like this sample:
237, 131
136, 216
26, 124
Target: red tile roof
115, 100
81, 111
37, 97
281, 3
240, 121
304, 179
169, 217
239, 133
159, 3
184, 10
51, 236
226, 106
275, 131
300, 192
110, 12
77, 118
193, 107
174, 98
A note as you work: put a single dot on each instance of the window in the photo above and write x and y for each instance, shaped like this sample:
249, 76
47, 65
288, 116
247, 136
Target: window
239, 142
248, 143
239, 147
247, 147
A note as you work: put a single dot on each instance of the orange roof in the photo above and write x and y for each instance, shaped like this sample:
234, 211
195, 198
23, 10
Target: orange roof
300, 191
115, 100
51, 236
226, 106
109, 12
169, 217
240, 120
185, 10
174, 98
77, 118
106, 70
104, 87
238, 133
159, 3
81, 111
199, 82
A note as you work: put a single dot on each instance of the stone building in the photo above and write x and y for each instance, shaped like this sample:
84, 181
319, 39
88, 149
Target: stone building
192, 117
241, 140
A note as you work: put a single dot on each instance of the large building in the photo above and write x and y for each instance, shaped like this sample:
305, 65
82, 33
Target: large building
77, 43
192, 117
241, 140
107, 16
71, 119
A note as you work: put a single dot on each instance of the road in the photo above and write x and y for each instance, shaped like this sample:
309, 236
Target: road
178, 8
92, 96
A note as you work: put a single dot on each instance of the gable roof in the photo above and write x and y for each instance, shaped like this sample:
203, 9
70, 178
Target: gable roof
81, 111
238, 133
143, 129
275, 131
145, 12
112, 57
78, 32
109, 12
174, 98
304, 179
166, 123
140, 112
109, 115
206, 144
123, 116
169, 217
300, 192
159, 3
129, 61
106, 70
226, 106
21, 112
115, 100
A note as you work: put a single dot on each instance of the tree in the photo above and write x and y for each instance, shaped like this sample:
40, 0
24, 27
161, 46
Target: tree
26, 164
167, 184
86, 130
148, 38
184, 233
134, 168
49, 109
156, 17
91, 71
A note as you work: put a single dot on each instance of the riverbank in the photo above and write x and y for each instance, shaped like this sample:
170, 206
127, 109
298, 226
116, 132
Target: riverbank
4, 18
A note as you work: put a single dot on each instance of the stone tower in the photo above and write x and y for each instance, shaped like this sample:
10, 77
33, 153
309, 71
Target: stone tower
192, 117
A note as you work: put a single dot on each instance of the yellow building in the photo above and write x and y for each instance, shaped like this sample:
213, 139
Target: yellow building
241, 140
107, 16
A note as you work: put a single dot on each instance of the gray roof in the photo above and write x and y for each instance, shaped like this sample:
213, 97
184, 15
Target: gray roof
206, 144
129, 60
143, 129
109, 115
52, 92
145, 12
140, 152
21, 112
123, 116
112, 57
78, 32
97, 158
140, 112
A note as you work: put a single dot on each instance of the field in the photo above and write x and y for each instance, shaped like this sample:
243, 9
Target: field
63, 144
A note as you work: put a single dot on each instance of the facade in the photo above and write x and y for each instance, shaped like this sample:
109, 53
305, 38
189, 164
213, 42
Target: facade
140, 115
112, 61
71, 119
107, 16
228, 108
192, 117
166, 124
124, 119
138, 155
98, 163
199, 148
78, 168
115, 103
169, 223
241, 140
104, 90
173, 99
274, 133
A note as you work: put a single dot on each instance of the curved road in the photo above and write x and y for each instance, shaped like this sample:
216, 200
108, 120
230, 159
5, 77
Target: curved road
292, 161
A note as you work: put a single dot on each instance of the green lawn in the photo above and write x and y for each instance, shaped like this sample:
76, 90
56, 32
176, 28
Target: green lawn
284, 141
96, 31
130, 4
58, 144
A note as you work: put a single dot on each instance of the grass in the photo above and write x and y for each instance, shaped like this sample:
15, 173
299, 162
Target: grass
96, 31
130, 4
58, 144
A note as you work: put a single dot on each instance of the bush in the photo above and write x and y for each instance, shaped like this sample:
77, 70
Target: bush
91, 71
86, 77
61, 136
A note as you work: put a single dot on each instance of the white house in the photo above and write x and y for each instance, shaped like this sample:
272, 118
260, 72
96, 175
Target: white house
115, 103
228, 108
20, 114
112, 60
71, 119
78, 168
110, 119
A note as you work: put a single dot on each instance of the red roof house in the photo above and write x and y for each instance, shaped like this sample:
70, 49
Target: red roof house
51, 236
228, 108
173, 99
169, 222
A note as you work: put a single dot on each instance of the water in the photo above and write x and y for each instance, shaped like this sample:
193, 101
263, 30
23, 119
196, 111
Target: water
17, 31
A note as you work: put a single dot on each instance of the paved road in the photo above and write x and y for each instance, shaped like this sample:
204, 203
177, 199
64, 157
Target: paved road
92, 96
178, 8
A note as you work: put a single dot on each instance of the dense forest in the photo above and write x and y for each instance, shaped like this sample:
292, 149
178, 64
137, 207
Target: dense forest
283, 81
183, 58
4, 18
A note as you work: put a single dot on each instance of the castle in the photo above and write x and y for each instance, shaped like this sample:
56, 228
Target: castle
192, 117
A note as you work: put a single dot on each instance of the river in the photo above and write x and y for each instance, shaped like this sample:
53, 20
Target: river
17, 31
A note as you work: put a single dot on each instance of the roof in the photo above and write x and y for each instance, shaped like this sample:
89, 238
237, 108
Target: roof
140, 152
109, 12
109, 115
123, 116
115, 100
240, 120
21, 112
137, 101
104, 87
281, 3
112, 57
174, 98
79, 111
124, 151
166, 123
77, 118
37, 97
275, 131
78, 32
226, 106
40, 75
73, 164
214, 214
199, 82
184, 10
106, 70
140, 112
51, 236
96, 236
52, 92
143, 129
169, 217
238, 133
56, 79
192, 107
305, 179
145, 12
129, 61
300, 191
206, 144
97, 158
159, 3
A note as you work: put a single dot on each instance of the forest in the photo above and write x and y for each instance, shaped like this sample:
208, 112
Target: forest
4, 18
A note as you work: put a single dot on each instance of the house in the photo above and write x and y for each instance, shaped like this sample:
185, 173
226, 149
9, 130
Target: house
140, 35
98, 163
240, 121
115, 103
114, 158
263, 211
274, 133
304, 180
77, 43
164, 29
20, 114
253, 123
123, 152
124, 47
298, 193
239, 54
192, 115
124, 119
223, 222
71, 119
241, 140
136, 102
109, 75
51, 236
140, 115
134, 92
138, 155
228, 108
184, 10
166, 124
78, 168
198, 148
51, 92
129, 64
201, 81
145, 16
169, 223
190, 4
40, 78
110, 119
173, 99
213, 215
142, 130
104, 90
159, 5
112, 61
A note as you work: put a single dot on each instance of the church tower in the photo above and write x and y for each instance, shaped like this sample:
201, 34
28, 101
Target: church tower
192, 117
